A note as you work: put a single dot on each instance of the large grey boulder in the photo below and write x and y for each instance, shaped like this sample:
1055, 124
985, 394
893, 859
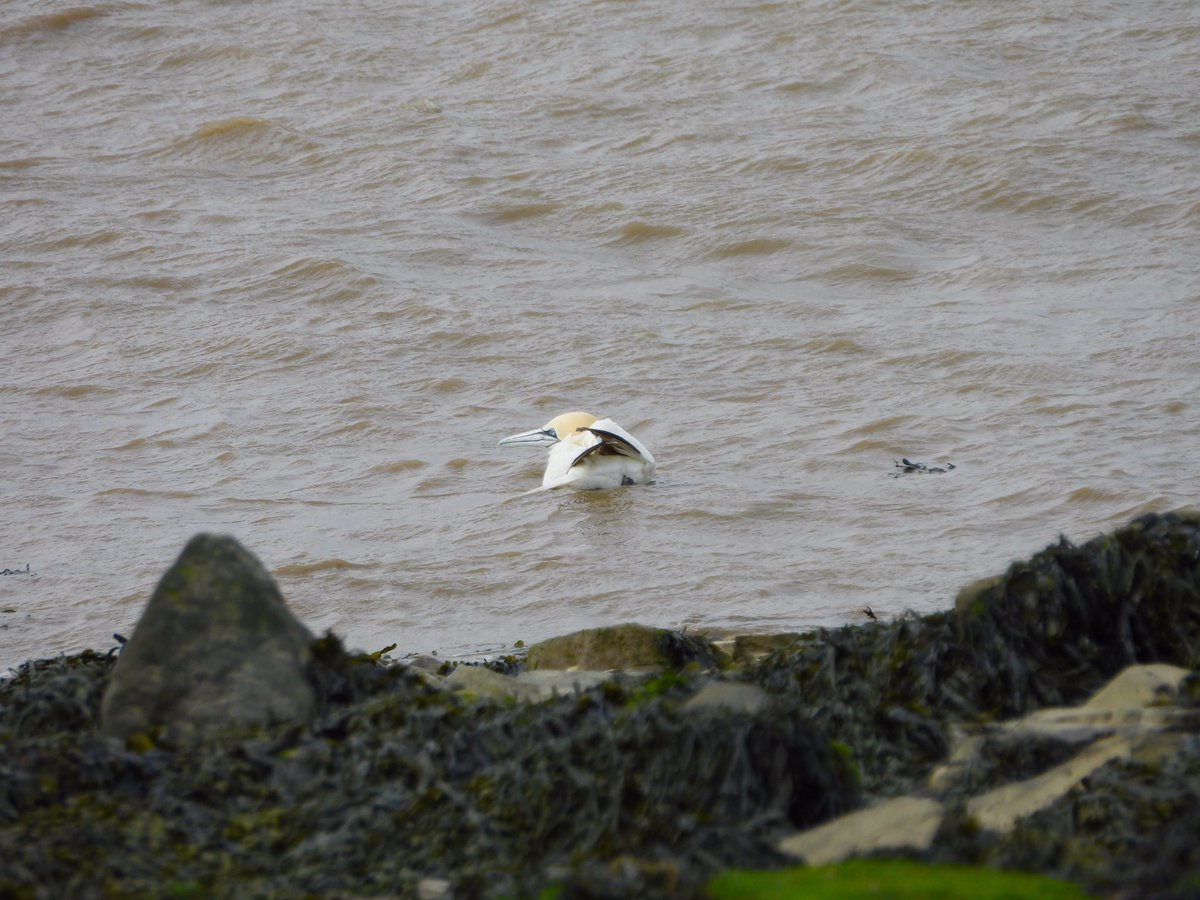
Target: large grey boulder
215, 647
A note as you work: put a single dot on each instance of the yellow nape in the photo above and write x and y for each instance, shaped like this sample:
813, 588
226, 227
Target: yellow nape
569, 423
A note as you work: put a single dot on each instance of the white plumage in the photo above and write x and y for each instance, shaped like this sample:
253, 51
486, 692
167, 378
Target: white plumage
588, 454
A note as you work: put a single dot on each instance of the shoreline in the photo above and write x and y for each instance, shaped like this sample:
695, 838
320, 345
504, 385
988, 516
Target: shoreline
1049, 722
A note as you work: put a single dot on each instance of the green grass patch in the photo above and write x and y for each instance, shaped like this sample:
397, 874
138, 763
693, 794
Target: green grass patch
886, 879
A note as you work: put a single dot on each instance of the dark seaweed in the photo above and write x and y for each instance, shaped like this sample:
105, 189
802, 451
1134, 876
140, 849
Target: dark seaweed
1049, 632
393, 782
619, 791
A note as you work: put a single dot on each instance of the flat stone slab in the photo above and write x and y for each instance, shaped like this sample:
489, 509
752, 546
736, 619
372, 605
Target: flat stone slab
999, 809
1136, 701
902, 824
1140, 686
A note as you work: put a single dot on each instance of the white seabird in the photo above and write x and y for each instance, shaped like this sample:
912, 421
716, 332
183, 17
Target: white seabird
588, 454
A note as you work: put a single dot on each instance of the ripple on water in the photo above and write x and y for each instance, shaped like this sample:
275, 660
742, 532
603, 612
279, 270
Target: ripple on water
784, 246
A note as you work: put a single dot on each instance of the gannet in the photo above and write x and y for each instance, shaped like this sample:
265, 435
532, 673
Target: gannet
588, 454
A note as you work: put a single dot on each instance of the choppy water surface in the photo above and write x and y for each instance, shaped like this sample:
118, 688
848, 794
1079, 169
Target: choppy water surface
289, 271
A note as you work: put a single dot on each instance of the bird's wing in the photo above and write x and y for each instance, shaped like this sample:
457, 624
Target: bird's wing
592, 443
615, 439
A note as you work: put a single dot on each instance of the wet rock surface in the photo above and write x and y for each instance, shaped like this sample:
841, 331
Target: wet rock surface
1011, 732
622, 647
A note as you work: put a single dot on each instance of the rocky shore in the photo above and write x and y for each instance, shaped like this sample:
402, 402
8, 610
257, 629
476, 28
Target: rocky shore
1045, 732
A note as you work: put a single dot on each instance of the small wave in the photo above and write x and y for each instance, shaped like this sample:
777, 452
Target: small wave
50, 22
362, 425
323, 565
27, 162
779, 165
197, 55
449, 385
242, 138
327, 281
1057, 409
879, 425
722, 304
521, 211
1093, 495
241, 126
73, 391
640, 232
400, 465
872, 445
141, 492
839, 346
755, 247
141, 443
868, 272
950, 358
91, 239
422, 105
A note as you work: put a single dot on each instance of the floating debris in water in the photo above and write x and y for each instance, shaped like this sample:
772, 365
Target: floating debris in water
908, 467
24, 571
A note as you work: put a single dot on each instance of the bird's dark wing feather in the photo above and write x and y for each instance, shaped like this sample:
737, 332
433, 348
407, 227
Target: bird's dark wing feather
613, 443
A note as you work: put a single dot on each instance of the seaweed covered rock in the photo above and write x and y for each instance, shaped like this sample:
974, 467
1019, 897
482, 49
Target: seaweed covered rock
1118, 815
992, 799
396, 782
215, 648
622, 647
1048, 632
1056, 626
385, 785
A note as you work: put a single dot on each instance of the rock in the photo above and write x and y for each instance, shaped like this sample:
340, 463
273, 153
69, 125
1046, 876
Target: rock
1132, 703
749, 647
543, 684
425, 663
483, 682
552, 682
732, 696
999, 809
621, 647
971, 598
215, 647
905, 824
1139, 686
1048, 633
433, 889
957, 768
1120, 721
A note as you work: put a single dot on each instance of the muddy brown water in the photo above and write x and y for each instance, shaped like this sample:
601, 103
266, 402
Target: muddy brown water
289, 271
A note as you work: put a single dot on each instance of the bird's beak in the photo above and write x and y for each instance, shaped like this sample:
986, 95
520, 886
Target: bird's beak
537, 436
